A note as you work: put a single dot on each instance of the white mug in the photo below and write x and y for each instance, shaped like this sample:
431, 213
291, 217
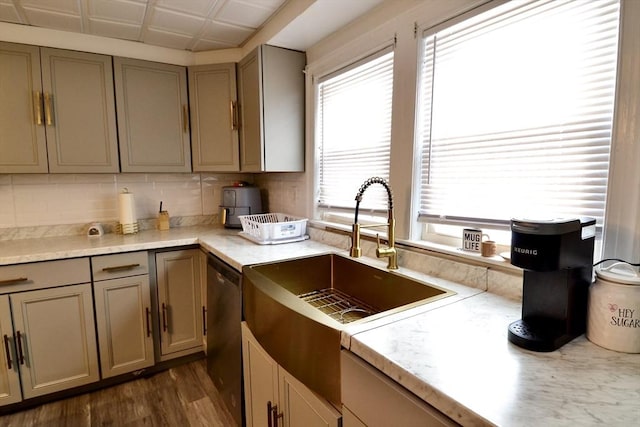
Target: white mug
471, 239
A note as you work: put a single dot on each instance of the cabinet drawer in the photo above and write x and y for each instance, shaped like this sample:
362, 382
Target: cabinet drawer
39, 275
119, 265
376, 400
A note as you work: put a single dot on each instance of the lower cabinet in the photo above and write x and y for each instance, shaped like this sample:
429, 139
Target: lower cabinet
273, 397
180, 302
123, 312
54, 341
370, 398
9, 375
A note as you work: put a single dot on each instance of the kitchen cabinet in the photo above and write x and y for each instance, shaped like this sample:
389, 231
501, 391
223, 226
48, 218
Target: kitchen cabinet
23, 145
180, 302
203, 297
214, 120
371, 399
62, 106
9, 377
153, 116
123, 312
271, 106
47, 328
55, 338
273, 397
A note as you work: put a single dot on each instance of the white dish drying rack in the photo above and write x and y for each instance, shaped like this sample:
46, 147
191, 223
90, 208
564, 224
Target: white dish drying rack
273, 228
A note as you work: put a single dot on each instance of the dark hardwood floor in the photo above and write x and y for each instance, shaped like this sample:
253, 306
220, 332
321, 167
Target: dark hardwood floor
180, 396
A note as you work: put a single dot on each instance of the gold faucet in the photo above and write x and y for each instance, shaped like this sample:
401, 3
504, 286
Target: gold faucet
381, 252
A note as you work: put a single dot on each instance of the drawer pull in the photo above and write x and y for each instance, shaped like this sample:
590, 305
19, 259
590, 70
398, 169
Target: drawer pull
8, 351
20, 352
13, 281
120, 267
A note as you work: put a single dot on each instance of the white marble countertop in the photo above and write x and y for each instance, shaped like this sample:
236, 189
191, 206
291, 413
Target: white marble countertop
453, 354
458, 359
224, 243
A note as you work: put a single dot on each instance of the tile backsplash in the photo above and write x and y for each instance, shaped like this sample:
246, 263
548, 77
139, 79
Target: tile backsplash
53, 199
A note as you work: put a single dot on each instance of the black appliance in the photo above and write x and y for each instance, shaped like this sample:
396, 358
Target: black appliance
224, 337
557, 258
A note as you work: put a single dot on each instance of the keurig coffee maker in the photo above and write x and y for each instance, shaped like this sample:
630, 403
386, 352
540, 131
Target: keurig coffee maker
557, 258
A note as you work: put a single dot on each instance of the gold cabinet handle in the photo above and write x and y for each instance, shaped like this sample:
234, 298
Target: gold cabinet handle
120, 267
234, 115
13, 281
48, 108
185, 119
37, 106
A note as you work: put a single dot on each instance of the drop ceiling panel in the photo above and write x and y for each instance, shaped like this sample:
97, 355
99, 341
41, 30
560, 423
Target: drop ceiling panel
194, 25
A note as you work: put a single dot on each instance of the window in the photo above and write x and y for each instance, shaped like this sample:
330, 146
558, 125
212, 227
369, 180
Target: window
353, 128
515, 113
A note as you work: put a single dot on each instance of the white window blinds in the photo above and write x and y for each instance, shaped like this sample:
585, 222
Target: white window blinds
516, 109
354, 131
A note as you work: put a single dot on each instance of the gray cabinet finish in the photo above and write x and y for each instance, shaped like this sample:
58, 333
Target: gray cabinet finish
62, 105
180, 304
57, 338
23, 147
123, 312
79, 112
271, 104
153, 117
9, 377
214, 121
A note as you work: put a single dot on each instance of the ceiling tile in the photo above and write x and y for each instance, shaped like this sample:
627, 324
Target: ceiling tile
116, 30
244, 13
231, 34
8, 13
166, 39
117, 10
203, 44
175, 22
63, 6
194, 7
57, 21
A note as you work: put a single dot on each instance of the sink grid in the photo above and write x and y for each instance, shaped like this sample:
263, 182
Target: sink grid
338, 305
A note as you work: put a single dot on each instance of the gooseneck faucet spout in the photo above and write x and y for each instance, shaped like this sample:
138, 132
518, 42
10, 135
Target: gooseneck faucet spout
381, 252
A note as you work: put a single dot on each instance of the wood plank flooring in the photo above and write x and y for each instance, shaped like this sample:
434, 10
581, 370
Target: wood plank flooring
180, 396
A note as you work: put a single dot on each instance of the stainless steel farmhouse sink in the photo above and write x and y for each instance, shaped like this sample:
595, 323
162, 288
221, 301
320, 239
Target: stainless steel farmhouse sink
297, 308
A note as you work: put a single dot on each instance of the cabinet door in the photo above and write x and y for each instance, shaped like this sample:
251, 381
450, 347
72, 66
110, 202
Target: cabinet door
56, 340
260, 381
153, 116
214, 121
9, 380
299, 406
179, 298
123, 316
250, 106
23, 147
79, 112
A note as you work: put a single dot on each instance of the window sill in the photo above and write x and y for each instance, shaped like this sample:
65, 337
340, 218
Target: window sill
448, 251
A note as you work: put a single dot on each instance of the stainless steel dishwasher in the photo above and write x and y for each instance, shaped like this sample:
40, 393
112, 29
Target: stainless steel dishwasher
224, 339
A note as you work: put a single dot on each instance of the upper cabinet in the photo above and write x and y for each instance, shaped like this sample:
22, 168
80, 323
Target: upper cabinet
23, 147
69, 99
79, 112
214, 119
271, 104
153, 117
